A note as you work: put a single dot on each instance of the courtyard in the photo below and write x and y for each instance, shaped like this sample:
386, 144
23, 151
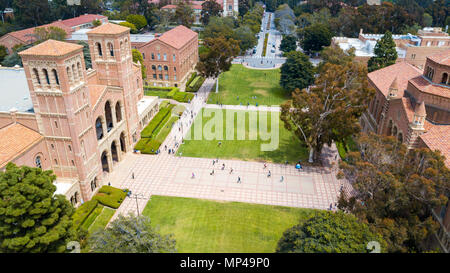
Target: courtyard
205, 226
240, 85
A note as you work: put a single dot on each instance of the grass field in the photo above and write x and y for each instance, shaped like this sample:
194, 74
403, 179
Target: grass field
208, 226
102, 219
246, 83
289, 146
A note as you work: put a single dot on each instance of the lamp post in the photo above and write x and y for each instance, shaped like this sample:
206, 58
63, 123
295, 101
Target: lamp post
137, 196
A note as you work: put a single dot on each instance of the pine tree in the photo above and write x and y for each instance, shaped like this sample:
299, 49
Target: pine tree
385, 53
32, 218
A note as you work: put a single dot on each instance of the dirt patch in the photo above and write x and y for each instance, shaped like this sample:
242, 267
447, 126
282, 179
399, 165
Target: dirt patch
261, 92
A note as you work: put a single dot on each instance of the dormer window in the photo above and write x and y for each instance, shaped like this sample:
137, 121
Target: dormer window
444, 78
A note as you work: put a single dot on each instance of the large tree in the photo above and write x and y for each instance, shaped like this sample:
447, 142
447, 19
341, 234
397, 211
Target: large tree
289, 43
329, 232
51, 32
218, 56
219, 26
395, 190
31, 12
385, 53
210, 8
137, 57
246, 38
296, 72
330, 109
137, 20
315, 37
184, 14
32, 218
131, 234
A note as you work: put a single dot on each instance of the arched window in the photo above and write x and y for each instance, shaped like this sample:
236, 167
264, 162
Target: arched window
394, 132
159, 68
111, 50
74, 72
118, 112
166, 68
55, 75
108, 116
99, 49
69, 75
99, 128
94, 184
36, 75
153, 67
80, 70
444, 78
159, 56
38, 162
165, 57
400, 137
46, 75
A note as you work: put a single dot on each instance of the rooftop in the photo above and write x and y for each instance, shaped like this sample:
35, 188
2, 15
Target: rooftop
27, 35
426, 86
438, 138
51, 48
144, 103
109, 28
16, 139
83, 19
81, 35
362, 48
14, 90
178, 36
441, 57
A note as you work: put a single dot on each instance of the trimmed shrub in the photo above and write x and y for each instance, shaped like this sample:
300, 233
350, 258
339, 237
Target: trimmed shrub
154, 123
160, 126
83, 212
191, 78
151, 147
110, 196
183, 97
195, 84
172, 93
141, 144
91, 218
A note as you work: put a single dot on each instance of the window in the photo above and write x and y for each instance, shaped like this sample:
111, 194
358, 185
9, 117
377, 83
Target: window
165, 57
38, 162
111, 50
413, 56
56, 161
56, 124
159, 56
166, 77
175, 77
46, 75
166, 68
70, 148
154, 76
99, 49
174, 59
160, 76
73, 163
53, 146
55, 75
153, 56
174, 69
153, 67
230, 7
143, 55
444, 78
159, 68
36, 75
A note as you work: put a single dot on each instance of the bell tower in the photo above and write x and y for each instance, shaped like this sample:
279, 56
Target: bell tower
111, 55
56, 78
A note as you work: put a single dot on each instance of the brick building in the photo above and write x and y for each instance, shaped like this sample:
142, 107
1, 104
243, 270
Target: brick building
81, 121
229, 8
26, 36
414, 106
171, 57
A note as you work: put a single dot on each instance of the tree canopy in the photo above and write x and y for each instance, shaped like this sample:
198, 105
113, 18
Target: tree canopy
137, 57
32, 218
385, 53
288, 43
210, 8
329, 232
296, 72
315, 37
395, 190
137, 20
184, 14
131, 234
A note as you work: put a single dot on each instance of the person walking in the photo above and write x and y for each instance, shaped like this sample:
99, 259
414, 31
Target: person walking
282, 179
231, 170
223, 166
239, 179
212, 173
265, 165
193, 175
269, 174
214, 162
132, 175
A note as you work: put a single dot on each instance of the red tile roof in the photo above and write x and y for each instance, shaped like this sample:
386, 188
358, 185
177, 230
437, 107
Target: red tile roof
26, 35
442, 57
51, 48
438, 138
409, 111
16, 139
83, 19
95, 92
109, 28
427, 86
177, 37
383, 78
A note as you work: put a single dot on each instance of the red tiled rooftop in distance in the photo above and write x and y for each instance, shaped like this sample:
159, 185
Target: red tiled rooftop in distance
178, 37
15, 139
441, 57
383, 78
83, 19
26, 35
109, 28
51, 48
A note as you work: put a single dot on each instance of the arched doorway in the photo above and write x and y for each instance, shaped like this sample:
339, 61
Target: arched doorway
394, 132
108, 116
114, 154
123, 147
389, 129
104, 159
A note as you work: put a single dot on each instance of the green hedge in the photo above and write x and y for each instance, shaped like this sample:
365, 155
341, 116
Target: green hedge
110, 196
83, 212
172, 93
91, 218
156, 121
195, 84
151, 147
183, 97
161, 125
141, 144
266, 38
191, 78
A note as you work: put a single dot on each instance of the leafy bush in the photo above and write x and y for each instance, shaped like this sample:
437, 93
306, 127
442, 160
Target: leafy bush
172, 93
151, 147
141, 144
91, 218
83, 212
161, 125
191, 78
195, 84
154, 123
110, 196
183, 97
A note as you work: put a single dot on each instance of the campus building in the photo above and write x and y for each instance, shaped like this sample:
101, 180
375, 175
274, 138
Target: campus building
26, 36
410, 48
171, 57
229, 8
413, 105
59, 116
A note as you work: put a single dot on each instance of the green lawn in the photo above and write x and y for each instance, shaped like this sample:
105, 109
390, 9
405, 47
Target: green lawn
247, 83
289, 146
210, 227
102, 219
